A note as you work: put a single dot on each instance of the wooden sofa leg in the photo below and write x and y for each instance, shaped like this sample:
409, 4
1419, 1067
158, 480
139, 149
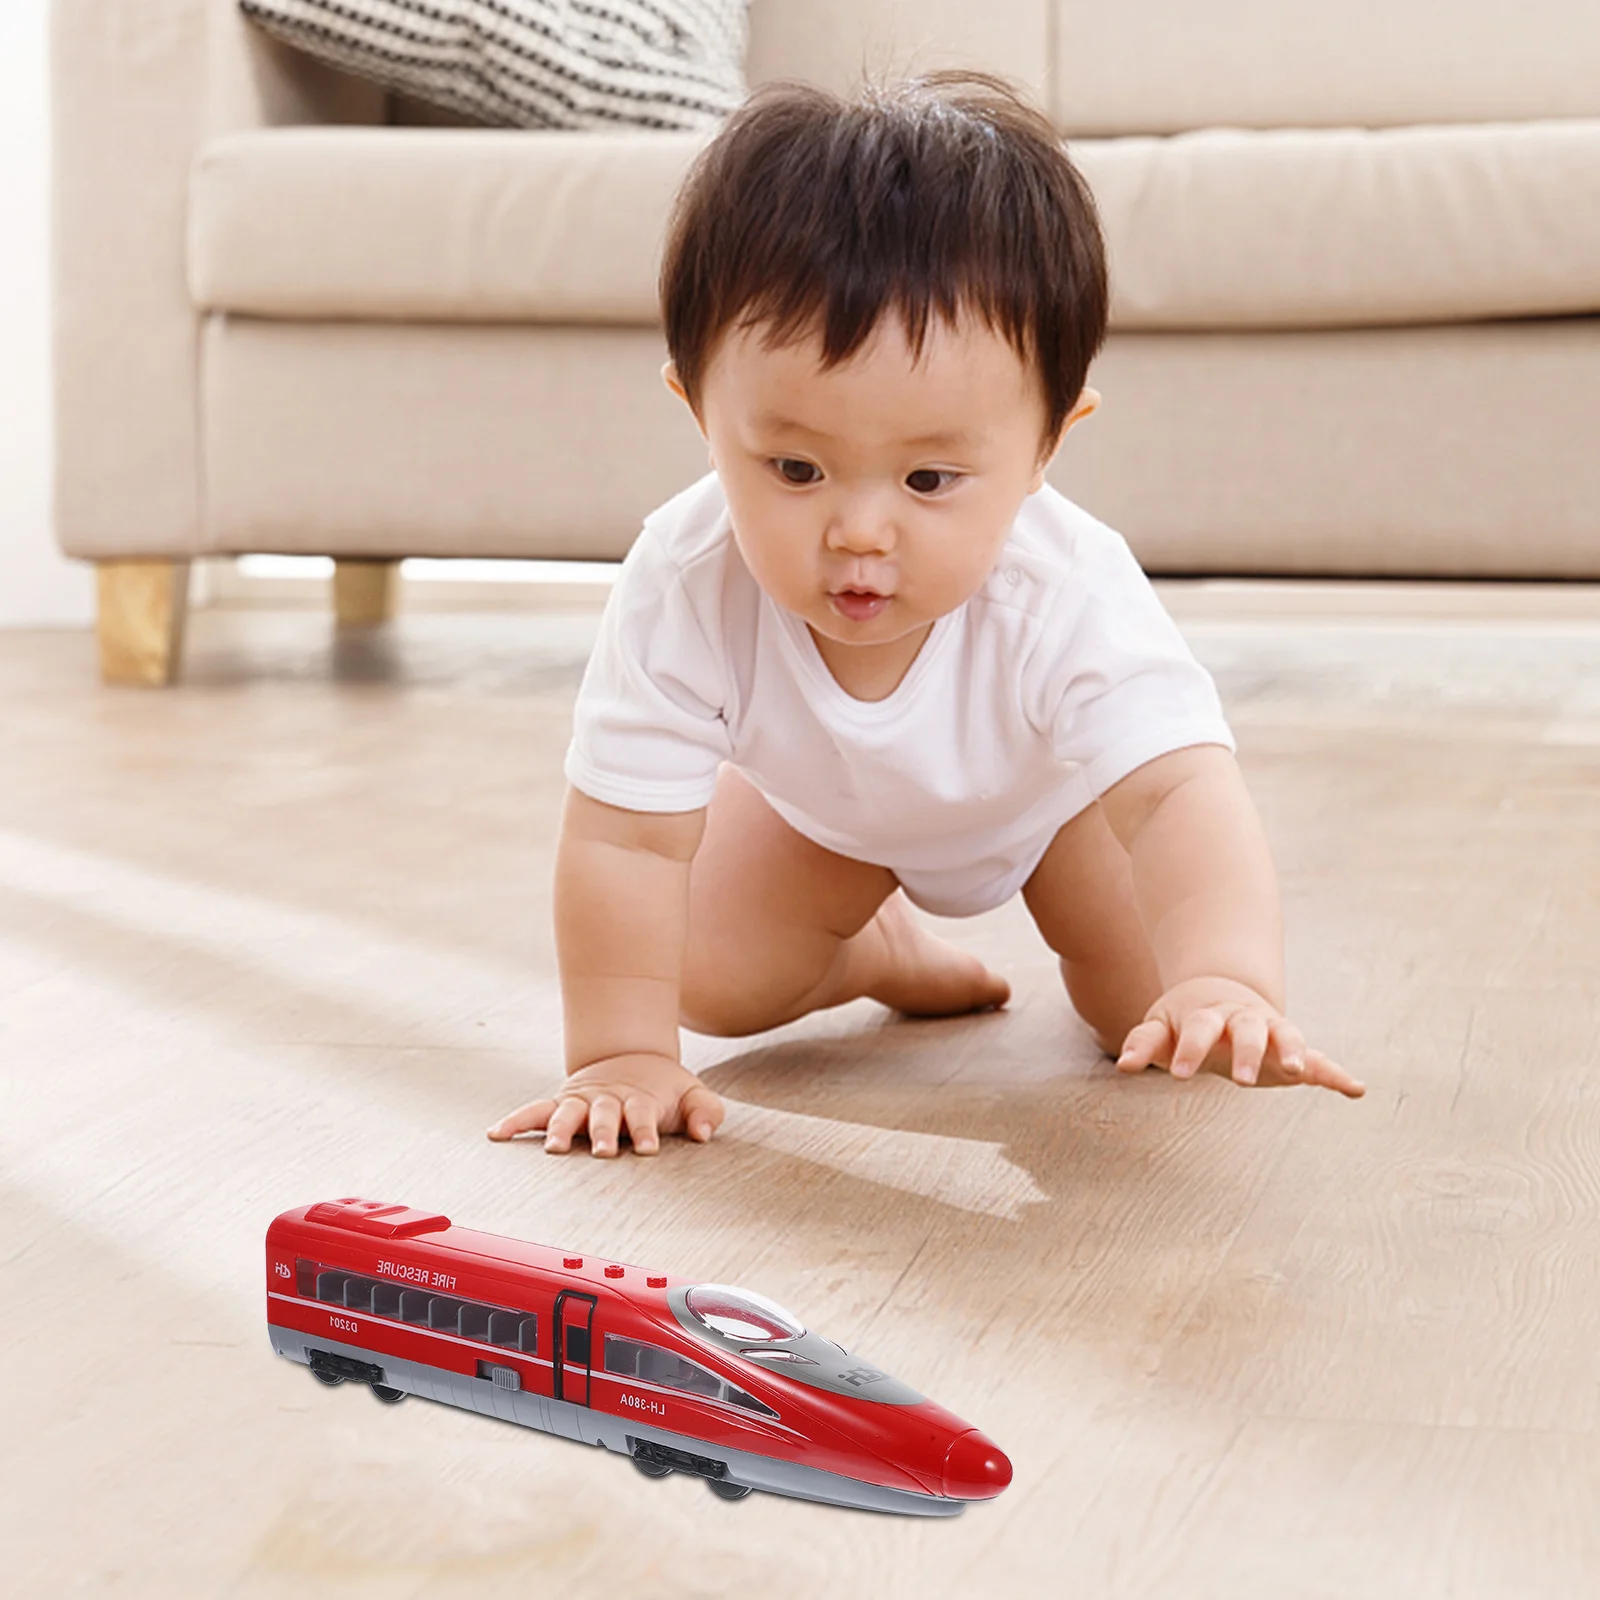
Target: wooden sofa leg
363, 592
142, 606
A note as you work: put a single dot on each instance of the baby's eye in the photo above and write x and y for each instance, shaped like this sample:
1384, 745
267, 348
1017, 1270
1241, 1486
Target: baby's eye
928, 480
799, 473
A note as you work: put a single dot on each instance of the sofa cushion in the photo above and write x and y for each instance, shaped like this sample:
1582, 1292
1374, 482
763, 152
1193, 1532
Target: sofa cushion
1453, 451
533, 63
433, 224
383, 439
1459, 451
1224, 229
1344, 227
1166, 66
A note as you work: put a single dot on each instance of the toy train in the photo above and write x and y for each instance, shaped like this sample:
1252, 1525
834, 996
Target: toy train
681, 1376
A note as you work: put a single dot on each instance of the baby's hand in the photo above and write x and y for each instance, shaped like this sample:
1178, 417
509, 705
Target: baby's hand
1215, 1025
653, 1093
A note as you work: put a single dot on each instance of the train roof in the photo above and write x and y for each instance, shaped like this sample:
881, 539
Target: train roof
376, 1222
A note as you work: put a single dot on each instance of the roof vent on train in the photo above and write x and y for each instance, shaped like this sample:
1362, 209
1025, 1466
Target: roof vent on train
373, 1216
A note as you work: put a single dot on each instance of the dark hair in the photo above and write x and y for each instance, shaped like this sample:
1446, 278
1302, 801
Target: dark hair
941, 195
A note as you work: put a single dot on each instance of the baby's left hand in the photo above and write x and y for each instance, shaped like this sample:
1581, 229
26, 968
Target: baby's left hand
1217, 1025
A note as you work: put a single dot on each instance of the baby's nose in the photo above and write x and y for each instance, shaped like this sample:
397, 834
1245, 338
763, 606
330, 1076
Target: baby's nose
863, 529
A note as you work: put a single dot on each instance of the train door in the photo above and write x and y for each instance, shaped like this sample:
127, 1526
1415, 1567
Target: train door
574, 1318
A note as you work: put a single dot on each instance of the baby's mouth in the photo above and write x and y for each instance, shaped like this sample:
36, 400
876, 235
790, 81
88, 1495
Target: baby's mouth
859, 605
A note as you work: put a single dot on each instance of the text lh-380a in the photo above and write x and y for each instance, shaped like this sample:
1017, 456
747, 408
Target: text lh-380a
680, 1376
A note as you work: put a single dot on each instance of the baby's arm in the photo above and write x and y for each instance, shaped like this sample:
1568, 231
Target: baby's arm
1208, 898
621, 910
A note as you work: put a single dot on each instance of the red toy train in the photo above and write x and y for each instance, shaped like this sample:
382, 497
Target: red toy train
681, 1376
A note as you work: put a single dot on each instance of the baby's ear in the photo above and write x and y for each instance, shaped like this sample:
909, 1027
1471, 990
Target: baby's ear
1088, 403
669, 376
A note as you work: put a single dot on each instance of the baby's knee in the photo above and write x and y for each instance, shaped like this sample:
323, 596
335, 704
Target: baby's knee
719, 1009
708, 1014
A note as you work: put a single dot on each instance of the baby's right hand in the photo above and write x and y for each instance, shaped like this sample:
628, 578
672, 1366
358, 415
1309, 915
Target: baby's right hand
653, 1094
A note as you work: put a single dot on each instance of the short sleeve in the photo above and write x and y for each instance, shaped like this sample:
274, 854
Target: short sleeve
649, 729
1120, 686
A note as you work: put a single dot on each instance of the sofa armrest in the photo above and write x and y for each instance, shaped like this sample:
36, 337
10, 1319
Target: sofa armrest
256, 81
137, 86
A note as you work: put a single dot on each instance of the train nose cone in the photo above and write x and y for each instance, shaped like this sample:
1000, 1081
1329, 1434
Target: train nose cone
975, 1467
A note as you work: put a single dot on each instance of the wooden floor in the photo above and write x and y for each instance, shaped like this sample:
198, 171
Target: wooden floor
283, 934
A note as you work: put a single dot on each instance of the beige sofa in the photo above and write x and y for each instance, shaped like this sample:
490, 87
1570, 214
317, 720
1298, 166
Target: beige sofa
1355, 250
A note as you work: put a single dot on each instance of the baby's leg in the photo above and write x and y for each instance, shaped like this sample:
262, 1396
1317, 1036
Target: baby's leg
1081, 897
779, 926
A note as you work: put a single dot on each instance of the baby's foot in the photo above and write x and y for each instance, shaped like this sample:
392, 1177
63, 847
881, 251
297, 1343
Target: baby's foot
924, 975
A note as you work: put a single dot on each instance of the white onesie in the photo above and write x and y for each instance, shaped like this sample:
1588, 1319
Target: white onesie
1058, 678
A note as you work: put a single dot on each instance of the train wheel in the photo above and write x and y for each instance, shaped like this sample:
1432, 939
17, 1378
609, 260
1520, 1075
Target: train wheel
728, 1491
389, 1396
652, 1469
322, 1375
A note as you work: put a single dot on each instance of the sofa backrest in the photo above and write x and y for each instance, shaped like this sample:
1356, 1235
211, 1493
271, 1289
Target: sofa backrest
1102, 67
1165, 66
1106, 67
833, 42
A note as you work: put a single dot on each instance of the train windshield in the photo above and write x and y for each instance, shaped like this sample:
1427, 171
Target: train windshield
740, 1314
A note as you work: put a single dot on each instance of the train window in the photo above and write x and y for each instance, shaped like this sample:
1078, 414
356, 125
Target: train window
513, 1331
444, 1313
358, 1293
622, 1355
651, 1364
740, 1314
470, 1319
738, 1397
629, 1358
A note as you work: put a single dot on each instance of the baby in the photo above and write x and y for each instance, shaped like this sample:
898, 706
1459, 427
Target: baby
873, 658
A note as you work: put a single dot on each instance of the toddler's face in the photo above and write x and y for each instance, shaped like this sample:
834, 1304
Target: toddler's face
871, 498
